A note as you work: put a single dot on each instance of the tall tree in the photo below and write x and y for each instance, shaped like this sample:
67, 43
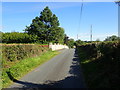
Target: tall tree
46, 27
56, 35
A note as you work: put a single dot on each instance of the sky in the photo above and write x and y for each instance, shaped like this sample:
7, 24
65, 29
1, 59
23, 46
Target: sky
103, 16
57, 0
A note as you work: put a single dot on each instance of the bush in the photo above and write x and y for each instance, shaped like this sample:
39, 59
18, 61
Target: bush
101, 63
16, 37
19, 69
106, 49
88, 50
11, 53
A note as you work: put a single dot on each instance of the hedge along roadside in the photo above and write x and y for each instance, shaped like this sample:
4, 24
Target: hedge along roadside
22, 60
100, 63
15, 52
102, 49
9, 75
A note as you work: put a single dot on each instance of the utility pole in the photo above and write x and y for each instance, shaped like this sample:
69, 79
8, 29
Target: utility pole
91, 33
81, 11
118, 2
77, 36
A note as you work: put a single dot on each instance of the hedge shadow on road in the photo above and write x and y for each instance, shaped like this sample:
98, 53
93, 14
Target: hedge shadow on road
75, 80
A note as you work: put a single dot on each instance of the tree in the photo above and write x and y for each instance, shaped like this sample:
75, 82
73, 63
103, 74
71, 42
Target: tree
56, 35
71, 43
112, 38
46, 27
1, 36
79, 42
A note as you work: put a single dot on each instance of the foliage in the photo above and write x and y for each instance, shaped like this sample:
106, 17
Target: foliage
71, 43
46, 27
100, 62
56, 35
112, 38
66, 38
1, 36
24, 66
79, 42
18, 52
16, 37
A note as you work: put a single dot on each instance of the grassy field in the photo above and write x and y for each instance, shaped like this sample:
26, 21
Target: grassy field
24, 66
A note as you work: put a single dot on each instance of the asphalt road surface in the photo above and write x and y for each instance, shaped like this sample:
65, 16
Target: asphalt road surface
62, 71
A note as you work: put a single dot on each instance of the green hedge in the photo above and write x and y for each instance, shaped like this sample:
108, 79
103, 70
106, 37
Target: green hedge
16, 37
95, 50
16, 52
100, 63
110, 50
15, 72
21, 58
87, 51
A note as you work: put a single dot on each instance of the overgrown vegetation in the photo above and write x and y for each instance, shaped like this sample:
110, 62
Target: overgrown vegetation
100, 63
112, 38
20, 68
20, 58
14, 52
16, 37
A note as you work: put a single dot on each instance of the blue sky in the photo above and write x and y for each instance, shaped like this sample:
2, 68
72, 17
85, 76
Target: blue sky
102, 15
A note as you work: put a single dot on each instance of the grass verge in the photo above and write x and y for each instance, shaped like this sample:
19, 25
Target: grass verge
25, 66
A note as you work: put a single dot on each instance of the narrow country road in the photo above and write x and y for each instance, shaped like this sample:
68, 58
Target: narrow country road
62, 71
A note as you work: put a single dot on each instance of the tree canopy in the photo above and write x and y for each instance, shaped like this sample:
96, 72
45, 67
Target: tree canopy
112, 38
46, 27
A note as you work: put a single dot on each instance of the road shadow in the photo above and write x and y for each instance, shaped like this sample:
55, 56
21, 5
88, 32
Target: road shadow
75, 80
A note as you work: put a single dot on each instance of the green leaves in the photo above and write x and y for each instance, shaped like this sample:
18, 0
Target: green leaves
18, 52
56, 34
54, 21
112, 38
16, 37
46, 27
101, 63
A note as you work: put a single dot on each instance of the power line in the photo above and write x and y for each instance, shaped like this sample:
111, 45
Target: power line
81, 11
